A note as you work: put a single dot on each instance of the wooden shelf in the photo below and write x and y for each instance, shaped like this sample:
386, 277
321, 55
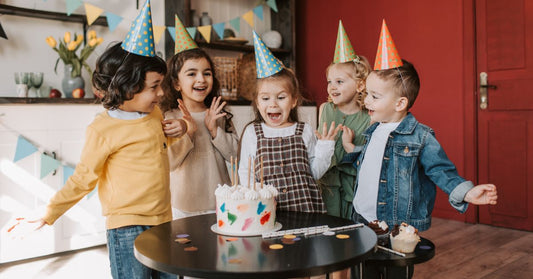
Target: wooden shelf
235, 47
16, 11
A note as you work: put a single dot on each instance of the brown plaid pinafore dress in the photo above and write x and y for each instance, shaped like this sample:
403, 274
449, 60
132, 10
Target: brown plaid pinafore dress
286, 166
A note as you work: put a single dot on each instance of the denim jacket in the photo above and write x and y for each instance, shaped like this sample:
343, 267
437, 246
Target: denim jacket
413, 162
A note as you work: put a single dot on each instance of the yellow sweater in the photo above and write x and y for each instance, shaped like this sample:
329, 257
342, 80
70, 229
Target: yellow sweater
129, 162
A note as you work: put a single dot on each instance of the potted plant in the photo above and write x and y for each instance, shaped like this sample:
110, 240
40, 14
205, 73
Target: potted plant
68, 53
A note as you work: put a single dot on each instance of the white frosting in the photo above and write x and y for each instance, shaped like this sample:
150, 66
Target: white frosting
237, 195
223, 191
251, 195
410, 230
383, 225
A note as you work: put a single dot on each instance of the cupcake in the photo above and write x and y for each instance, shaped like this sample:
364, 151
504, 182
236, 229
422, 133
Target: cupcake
382, 231
404, 238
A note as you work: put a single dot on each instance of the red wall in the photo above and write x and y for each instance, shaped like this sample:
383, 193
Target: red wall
427, 33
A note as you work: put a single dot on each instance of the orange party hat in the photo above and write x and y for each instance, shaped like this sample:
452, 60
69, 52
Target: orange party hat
343, 49
183, 38
387, 56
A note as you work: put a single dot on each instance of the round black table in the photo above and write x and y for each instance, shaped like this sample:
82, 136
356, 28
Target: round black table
220, 256
424, 251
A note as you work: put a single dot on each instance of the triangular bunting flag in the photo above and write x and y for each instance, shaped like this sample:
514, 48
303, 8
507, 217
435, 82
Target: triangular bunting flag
387, 56
236, 23
140, 38
72, 5
343, 49
95, 190
158, 32
48, 164
67, 172
191, 31
172, 31
24, 149
258, 11
249, 18
219, 29
92, 13
272, 5
266, 64
2, 32
206, 32
112, 20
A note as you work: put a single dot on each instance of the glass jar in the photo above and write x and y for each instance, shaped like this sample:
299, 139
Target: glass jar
205, 19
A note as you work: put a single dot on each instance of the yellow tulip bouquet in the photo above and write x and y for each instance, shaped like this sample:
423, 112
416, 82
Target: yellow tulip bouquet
68, 47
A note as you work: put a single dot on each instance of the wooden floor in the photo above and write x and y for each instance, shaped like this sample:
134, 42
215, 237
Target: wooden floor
462, 251
477, 251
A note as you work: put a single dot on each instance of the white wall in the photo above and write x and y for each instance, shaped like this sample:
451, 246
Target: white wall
26, 49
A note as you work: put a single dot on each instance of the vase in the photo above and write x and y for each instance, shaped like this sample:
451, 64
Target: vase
69, 83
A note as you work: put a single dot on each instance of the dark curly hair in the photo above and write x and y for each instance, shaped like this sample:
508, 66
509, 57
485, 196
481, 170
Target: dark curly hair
119, 75
170, 100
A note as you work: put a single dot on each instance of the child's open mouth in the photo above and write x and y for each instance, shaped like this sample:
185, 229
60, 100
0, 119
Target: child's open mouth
203, 88
274, 116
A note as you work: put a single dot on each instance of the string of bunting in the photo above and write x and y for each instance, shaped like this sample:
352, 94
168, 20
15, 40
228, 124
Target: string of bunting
49, 164
2, 32
93, 12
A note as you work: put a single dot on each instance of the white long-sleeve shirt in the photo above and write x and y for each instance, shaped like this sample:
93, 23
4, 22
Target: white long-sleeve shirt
319, 151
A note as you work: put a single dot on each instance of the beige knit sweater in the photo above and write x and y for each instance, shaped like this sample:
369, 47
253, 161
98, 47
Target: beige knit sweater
196, 172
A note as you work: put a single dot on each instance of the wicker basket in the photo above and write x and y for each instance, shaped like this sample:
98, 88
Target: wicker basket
247, 76
227, 69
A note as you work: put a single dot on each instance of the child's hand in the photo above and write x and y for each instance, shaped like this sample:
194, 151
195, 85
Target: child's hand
482, 194
187, 116
174, 127
213, 114
347, 139
347, 135
22, 227
328, 135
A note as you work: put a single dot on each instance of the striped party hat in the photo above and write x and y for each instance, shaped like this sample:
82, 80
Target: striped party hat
387, 56
140, 38
343, 49
183, 38
266, 64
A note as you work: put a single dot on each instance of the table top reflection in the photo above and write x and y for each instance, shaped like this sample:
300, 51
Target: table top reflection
220, 256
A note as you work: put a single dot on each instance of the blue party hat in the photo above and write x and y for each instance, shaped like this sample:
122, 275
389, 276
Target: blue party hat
140, 39
265, 63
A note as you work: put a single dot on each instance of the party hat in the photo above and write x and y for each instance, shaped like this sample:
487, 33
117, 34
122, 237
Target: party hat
140, 39
183, 38
265, 62
387, 56
343, 49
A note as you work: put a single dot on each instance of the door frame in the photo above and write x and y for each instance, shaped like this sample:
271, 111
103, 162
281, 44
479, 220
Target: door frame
470, 95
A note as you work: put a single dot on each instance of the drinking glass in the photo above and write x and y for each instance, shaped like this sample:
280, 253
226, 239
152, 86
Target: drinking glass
36, 79
22, 80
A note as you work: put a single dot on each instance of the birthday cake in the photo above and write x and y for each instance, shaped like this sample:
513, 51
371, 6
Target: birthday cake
245, 211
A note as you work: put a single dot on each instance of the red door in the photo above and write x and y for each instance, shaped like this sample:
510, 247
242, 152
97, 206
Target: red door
505, 126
